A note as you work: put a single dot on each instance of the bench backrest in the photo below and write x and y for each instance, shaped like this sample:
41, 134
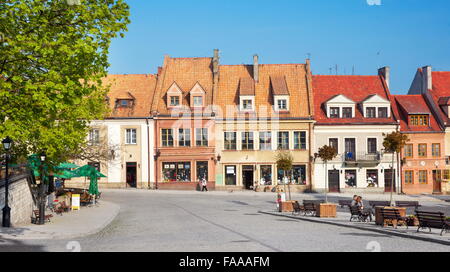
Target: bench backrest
407, 203
390, 213
344, 202
309, 205
354, 210
431, 219
379, 203
313, 201
296, 205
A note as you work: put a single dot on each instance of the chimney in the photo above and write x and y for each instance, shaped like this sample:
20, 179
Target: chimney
427, 82
385, 72
216, 66
255, 68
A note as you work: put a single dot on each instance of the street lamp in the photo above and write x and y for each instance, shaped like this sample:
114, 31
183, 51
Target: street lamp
6, 223
43, 157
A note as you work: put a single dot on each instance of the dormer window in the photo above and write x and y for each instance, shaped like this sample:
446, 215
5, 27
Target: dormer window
124, 103
370, 112
340, 106
419, 120
334, 112
198, 101
197, 95
347, 112
174, 95
174, 101
247, 104
282, 104
375, 106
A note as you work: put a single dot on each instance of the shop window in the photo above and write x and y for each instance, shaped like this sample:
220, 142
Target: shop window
350, 178
202, 170
266, 174
299, 174
177, 171
230, 175
372, 177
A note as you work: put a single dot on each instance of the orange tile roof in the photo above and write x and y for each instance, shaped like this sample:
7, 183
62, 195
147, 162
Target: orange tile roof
186, 73
414, 104
246, 86
295, 75
357, 88
279, 86
138, 87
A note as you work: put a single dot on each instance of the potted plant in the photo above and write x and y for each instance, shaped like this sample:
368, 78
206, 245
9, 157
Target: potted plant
326, 153
284, 161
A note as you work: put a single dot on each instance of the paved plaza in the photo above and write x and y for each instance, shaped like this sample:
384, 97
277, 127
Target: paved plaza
218, 221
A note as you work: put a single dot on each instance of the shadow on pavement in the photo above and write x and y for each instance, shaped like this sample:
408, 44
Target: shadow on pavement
13, 245
366, 234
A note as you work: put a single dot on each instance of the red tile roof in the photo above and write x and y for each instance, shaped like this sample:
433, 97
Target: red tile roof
414, 104
356, 88
139, 88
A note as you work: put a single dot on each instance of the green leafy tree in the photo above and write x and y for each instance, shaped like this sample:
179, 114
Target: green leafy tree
284, 161
393, 143
53, 54
326, 153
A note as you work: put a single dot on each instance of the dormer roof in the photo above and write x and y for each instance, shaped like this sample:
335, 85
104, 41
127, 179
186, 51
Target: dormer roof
279, 85
246, 86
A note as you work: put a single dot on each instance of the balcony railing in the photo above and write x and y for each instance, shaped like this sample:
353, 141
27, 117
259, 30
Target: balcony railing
361, 158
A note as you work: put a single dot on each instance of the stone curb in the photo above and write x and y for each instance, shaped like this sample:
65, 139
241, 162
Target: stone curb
383, 231
59, 236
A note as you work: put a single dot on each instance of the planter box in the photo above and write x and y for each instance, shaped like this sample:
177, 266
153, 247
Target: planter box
379, 218
286, 206
326, 210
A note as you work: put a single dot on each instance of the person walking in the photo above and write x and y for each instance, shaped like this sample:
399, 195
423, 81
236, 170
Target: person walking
204, 184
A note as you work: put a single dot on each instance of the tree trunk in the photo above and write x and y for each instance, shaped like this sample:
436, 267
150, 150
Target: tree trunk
393, 178
326, 182
289, 187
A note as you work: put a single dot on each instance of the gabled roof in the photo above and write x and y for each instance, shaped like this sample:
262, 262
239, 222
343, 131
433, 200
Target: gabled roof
186, 72
138, 87
356, 88
339, 98
295, 76
374, 98
414, 104
279, 85
246, 86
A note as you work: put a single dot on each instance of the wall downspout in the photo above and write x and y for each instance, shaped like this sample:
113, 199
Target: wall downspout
148, 154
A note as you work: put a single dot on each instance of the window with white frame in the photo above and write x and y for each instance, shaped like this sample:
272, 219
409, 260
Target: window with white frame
201, 137
130, 136
94, 136
300, 140
247, 104
184, 137
265, 140
198, 101
283, 140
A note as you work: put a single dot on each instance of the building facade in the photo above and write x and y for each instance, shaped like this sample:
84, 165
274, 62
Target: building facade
352, 115
184, 125
434, 86
121, 145
261, 109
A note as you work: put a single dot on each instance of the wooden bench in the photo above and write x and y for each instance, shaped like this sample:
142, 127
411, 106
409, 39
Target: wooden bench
432, 220
407, 204
379, 203
85, 199
37, 216
393, 216
310, 206
297, 208
356, 213
345, 202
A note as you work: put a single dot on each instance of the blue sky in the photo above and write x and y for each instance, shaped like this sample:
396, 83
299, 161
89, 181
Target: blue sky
403, 34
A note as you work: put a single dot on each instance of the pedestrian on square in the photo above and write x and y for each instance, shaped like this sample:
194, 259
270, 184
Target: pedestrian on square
365, 209
204, 184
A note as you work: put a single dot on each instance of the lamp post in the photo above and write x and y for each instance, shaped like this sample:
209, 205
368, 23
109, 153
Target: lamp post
42, 157
6, 223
